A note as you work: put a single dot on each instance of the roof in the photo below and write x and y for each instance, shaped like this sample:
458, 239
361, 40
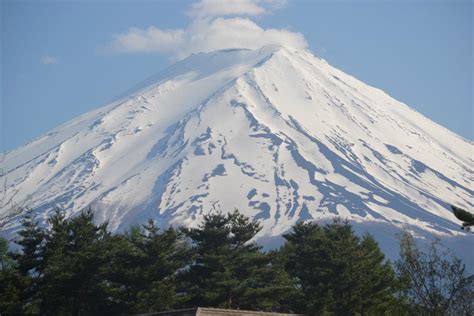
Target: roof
205, 311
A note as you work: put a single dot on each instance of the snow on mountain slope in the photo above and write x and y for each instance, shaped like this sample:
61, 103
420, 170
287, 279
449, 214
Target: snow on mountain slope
277, 133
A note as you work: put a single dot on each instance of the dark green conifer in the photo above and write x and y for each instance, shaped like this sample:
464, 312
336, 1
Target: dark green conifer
12, 283
230, 270
338, 272
464, 216
73, 256
142, 268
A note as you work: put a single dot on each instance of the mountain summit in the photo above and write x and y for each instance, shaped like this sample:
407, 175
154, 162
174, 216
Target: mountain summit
276, 132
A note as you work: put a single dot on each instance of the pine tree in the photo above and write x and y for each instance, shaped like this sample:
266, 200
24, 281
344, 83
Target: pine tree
73, 255
143, 266
231, 271
464, 216
6, 261
12, 283
31, 240
378, 283
338, 272
29, 263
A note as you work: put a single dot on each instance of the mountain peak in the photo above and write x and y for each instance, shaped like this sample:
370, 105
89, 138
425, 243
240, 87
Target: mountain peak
275, 132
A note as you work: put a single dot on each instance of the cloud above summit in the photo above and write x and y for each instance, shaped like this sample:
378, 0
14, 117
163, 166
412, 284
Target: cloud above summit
209, 8
214, 25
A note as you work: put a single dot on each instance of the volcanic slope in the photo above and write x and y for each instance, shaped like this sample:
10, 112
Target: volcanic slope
277, 133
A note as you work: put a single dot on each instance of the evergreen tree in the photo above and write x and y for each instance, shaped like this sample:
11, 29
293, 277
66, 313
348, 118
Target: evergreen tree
338, 272
73, 255
231, 271
142, 268
29, 263
31, 240
464, 216
6, 260
378, 282
12, 283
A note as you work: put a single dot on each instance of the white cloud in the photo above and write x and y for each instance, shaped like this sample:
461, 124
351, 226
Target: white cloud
49, 60
212, 8
152, 39
221, 33
210, 30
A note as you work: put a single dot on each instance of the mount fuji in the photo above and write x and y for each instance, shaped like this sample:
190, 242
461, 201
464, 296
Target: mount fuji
276, 132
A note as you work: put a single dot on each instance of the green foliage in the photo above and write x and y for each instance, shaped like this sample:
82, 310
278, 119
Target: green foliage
5, 260
142, 266
338, 272
31, 238
464, 216
435, 283
73, 254
77, 267
230, 270
28, 265
12, 284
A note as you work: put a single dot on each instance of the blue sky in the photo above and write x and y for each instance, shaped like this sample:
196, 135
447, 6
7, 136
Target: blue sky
63, 58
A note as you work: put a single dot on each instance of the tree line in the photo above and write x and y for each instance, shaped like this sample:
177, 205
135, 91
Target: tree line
78, 267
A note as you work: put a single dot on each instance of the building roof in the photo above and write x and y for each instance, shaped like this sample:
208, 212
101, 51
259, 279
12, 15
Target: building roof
205, 311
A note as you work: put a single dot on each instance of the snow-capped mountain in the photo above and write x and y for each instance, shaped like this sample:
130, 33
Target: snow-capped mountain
277, 133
